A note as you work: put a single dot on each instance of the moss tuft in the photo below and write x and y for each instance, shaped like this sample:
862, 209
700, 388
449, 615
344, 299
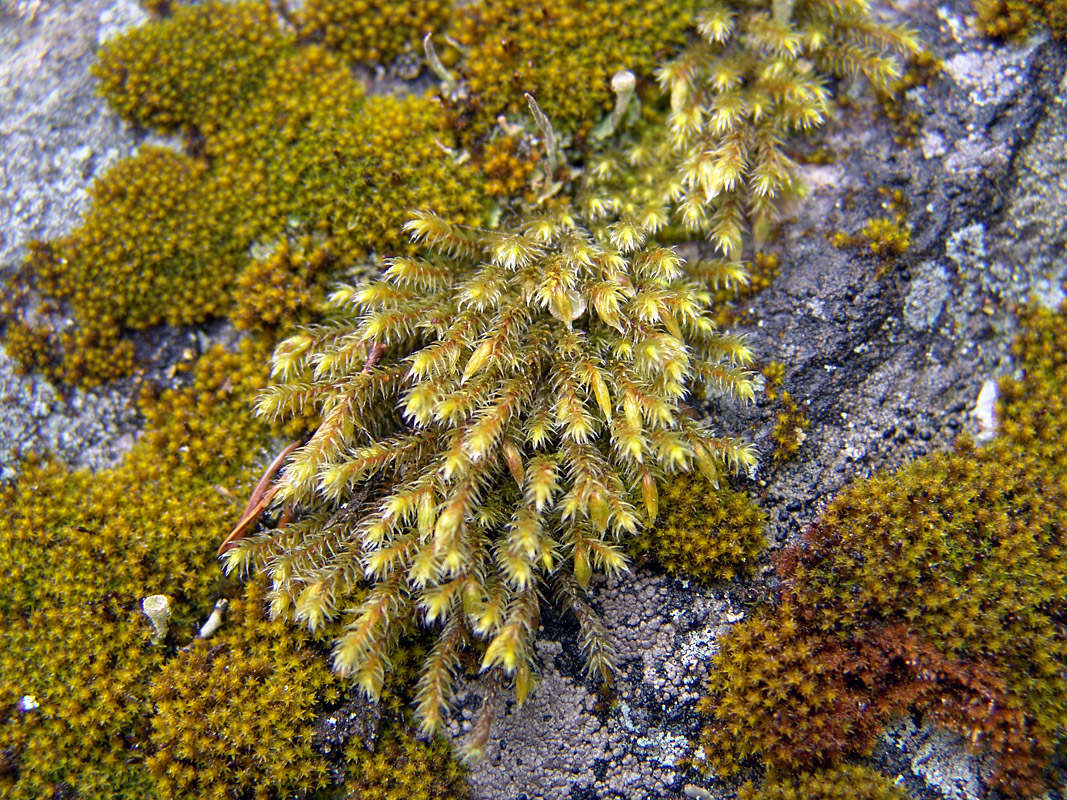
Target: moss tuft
707, 535
371, 31
190, 71
563, 52
935, 588
844, 782
235, 711
1016, 19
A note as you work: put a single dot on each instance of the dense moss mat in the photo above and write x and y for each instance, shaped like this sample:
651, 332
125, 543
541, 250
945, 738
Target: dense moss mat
845, 782
563, 52
372, 31
940, 587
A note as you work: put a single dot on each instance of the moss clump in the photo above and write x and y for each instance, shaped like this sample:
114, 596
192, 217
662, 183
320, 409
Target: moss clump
492, 418
235, 711
704, 534
144, 255
298, 154
844, 782
91, 705
371, 31
190, 71
954, 567
563, 53
401, 766
313, 153
282, 288
1016, 19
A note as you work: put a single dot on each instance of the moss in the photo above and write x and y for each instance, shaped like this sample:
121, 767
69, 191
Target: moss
308, 158
704, 534
371, 31
844, 782
1016, 19
313, 153
401, 766
921, 70
470, 399
953, 567
790, 428
563, 53
118, 716
190, 71
81, 550
885, 237
281, 289
234, 711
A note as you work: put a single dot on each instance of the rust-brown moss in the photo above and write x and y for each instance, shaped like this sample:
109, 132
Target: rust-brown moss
936, 588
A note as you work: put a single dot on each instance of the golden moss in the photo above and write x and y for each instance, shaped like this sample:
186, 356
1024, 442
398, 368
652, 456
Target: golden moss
844, 782
790, 428
1014, 19
309, 158
703, 533
191, 70
563, 52
313, 153
952, 570
281, 289
234, 712
372, 31
401, 766
508, 170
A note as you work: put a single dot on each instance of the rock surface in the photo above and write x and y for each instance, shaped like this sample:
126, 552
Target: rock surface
56, 135
887, 360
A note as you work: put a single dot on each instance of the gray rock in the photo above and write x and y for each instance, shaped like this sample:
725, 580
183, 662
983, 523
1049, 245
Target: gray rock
56, 135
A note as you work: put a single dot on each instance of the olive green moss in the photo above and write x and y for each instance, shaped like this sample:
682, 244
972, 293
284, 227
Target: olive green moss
844, 782
81, 551
292, 149
935, 588
231, 715
704, 533
188, 72
1016, 19
401, 767
120, 717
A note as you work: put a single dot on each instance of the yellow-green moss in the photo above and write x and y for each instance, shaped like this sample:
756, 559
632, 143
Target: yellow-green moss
313, 152
704, 533
845, 782
191, 70
372, 31
1015, 19
562, 52
934, 588
281, 288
